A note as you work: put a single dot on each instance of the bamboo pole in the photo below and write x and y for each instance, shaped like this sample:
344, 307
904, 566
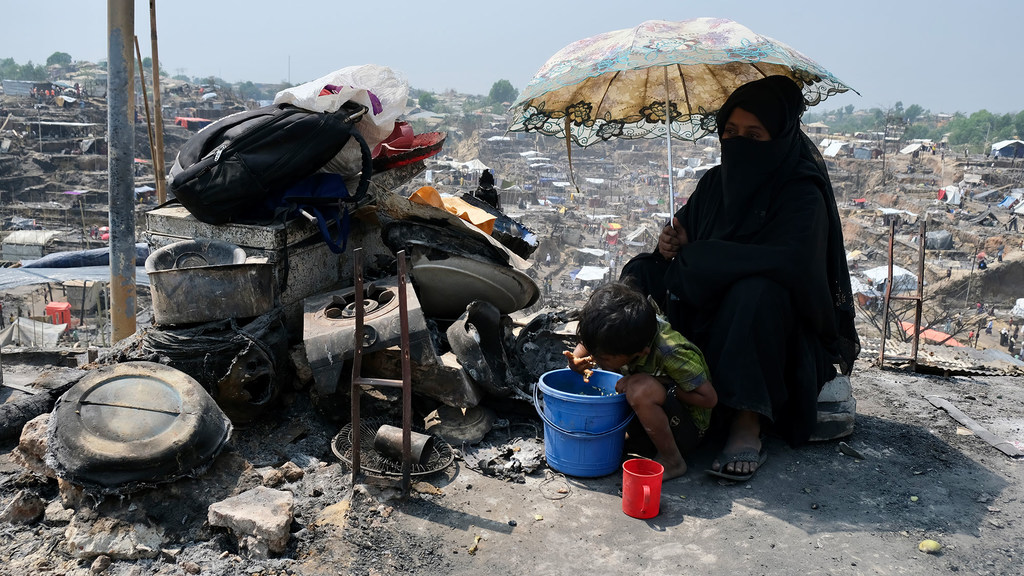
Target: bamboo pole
145, 101
161, 180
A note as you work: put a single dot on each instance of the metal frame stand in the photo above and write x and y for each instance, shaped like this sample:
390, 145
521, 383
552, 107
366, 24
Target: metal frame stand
918, 298
358, 381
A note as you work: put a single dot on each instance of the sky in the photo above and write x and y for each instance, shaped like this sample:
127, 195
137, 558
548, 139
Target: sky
945, 55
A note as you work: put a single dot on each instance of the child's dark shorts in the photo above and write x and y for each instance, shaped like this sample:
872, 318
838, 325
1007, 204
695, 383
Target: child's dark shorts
687, 435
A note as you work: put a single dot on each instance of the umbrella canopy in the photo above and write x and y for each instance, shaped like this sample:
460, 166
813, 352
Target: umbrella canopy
657, 79
614, 85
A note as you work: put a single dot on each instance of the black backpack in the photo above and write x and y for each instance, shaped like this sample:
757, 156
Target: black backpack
239, 168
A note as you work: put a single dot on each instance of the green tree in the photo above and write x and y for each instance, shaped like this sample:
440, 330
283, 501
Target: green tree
427, 101
502, 91
61, 58
913, 112
147, 63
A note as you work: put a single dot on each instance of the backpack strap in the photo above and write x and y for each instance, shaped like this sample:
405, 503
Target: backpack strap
367, 171
336, 245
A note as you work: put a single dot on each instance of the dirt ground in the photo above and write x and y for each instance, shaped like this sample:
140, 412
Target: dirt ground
813, 509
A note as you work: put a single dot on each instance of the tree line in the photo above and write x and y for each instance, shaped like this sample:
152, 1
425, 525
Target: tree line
976, 131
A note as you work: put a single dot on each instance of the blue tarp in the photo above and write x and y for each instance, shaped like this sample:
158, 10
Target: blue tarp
83, 258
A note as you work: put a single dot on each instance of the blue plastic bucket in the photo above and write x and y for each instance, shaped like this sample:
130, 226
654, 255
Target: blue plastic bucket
575, 452
580, 406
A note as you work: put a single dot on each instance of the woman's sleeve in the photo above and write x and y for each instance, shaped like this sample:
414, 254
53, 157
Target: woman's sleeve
792, 241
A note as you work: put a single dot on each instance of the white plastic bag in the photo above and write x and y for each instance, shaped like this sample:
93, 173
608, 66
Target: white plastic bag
383, 91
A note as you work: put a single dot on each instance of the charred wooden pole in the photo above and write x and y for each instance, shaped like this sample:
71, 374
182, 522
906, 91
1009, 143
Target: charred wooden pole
158, 113
120, 164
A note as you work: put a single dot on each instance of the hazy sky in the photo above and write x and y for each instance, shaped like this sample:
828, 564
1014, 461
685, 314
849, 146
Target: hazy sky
945, 55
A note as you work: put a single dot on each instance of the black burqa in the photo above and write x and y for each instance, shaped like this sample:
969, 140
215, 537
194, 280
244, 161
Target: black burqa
762, 285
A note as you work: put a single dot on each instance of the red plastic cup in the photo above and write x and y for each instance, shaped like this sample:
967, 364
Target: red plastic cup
641, 487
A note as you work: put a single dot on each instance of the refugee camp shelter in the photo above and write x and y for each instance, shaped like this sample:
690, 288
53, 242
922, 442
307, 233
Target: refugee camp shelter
816, 128
1008, 149
27, 244
903, 280
835, 148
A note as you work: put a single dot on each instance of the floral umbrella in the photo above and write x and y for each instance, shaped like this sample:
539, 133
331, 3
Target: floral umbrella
616, 84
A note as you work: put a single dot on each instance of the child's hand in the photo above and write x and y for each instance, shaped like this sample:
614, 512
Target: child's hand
581, 364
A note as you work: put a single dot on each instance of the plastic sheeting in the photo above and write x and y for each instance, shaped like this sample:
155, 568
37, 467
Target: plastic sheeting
588, 273
382, 90
902, 279
14, 277
1018, 308
84, 258
31, 333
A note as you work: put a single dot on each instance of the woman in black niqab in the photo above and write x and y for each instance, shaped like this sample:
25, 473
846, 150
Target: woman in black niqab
757, 274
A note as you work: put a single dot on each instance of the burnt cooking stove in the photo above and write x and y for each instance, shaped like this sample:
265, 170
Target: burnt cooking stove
328, 328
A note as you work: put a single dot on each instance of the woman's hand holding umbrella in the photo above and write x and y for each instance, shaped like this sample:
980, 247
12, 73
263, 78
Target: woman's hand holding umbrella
672, 237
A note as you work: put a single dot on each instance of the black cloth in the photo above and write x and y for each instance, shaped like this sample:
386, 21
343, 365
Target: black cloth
762, 285
489, 195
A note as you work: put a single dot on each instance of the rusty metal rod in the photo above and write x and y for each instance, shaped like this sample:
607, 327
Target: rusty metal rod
920, 295
403, 311
357, 359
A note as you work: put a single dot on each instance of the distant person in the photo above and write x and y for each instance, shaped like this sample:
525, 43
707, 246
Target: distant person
486, 191
667, 382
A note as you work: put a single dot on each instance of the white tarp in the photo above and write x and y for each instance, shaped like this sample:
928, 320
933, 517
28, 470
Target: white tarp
31, 333
911, 148
474, 164
891, 211
1018, 308
31, 237
591, 273
592, 251
902, 279
833, 149
859, 287
636, 234
953, 195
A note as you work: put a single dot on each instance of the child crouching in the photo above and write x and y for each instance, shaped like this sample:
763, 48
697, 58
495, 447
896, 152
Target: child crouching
665, 378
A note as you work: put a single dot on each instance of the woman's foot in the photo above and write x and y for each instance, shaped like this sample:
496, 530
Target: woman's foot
744, 438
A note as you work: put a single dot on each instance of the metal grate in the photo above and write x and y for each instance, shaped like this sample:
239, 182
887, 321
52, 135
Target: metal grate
375, 463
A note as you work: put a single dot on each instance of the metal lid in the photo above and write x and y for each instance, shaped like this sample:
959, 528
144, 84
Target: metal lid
134, 423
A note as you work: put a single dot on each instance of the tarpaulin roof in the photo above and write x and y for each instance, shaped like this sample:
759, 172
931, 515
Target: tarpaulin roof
28, 332
931, 335
1004, 143
902, 279
911, 148
31, 237
834, 148
589, 273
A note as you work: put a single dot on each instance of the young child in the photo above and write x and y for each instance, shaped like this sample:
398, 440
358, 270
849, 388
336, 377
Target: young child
666, 379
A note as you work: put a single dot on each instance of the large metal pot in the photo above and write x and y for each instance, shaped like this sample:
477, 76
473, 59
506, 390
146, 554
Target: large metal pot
195, 281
